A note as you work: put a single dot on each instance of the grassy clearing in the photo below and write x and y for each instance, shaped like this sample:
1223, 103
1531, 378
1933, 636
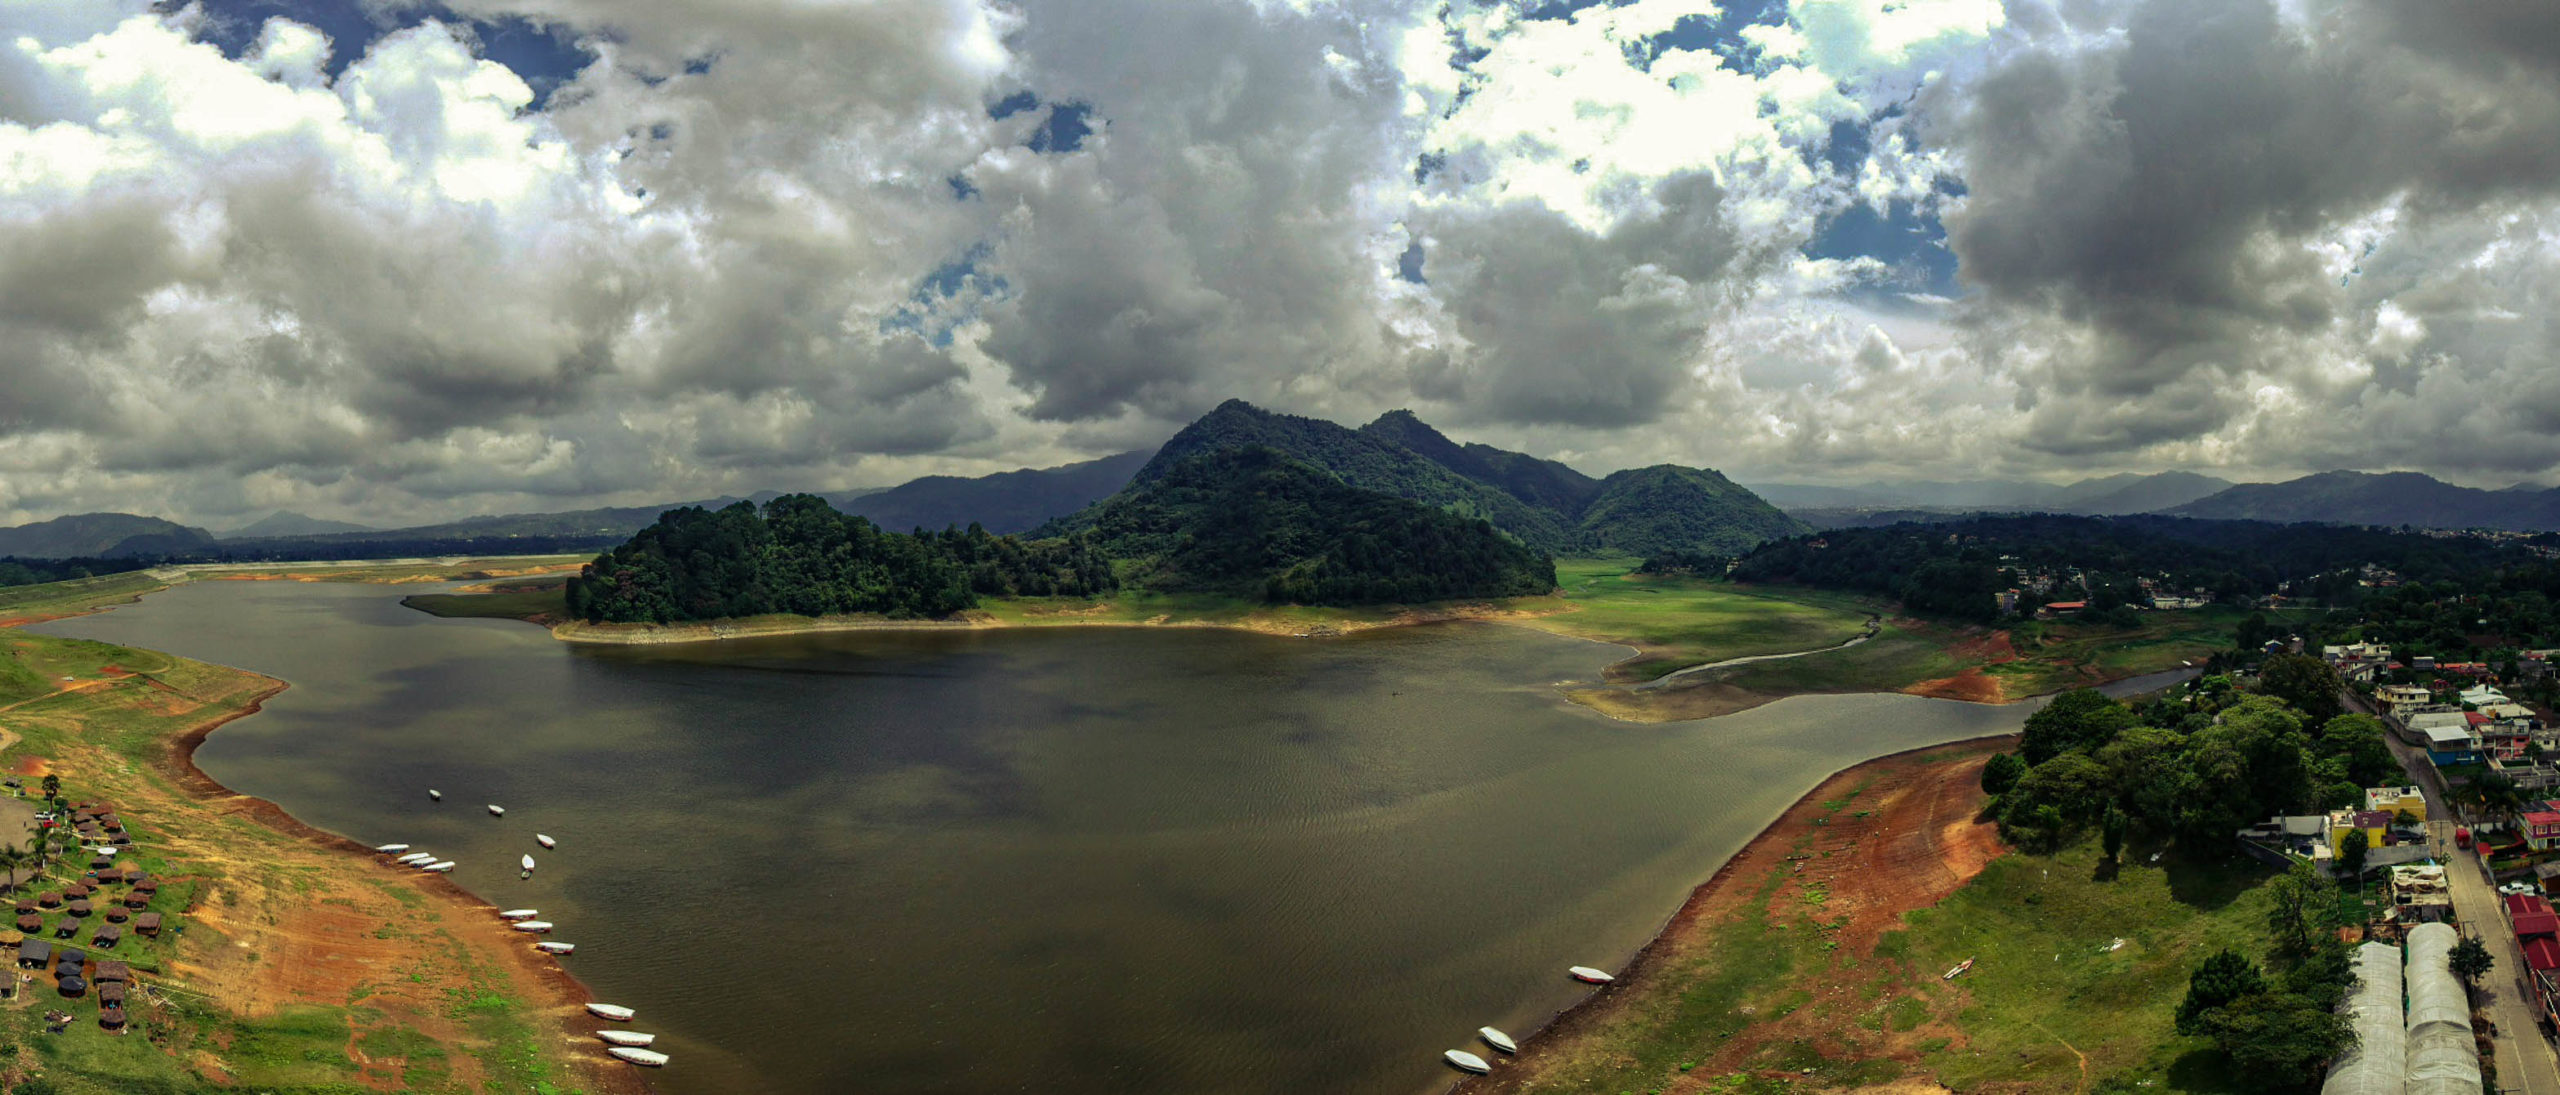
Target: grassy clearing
77, 594
1677, 622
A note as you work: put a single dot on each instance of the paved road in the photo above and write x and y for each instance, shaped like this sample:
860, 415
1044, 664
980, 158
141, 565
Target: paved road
2525, 1059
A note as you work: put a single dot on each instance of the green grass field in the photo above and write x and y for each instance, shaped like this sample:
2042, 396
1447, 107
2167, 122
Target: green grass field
1677, 622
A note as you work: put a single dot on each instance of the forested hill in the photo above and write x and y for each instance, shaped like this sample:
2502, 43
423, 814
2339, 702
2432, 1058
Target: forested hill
799, 555
1546, 505
1955, 568
1256, 522
2396, 498
102, 535
1012, 501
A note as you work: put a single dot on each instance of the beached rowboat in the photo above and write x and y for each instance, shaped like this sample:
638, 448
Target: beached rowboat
442, 866
545, 841
417, 857
615, 1012
556, 948
1466, 1062
649, 1057
626, 1037
1587, 974
392, 849
519, 914
537, 927
1497, 1039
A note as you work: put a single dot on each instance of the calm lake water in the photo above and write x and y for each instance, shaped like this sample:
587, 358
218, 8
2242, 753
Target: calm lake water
1100, 860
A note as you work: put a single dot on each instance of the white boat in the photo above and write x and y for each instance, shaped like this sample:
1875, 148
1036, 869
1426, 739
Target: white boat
444, 866
497, 811
392, 849
649, 1057
435, 794
1592, 976
528, 863
1466, 1062
537, 927
417, 857
519, 914
631, 1038
545, 841
615, 1012
1497, 1039
556, 948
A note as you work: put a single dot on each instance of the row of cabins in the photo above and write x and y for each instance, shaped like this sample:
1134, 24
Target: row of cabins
75, 976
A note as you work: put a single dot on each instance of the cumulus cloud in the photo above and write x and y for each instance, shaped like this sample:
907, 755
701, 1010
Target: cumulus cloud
740, 244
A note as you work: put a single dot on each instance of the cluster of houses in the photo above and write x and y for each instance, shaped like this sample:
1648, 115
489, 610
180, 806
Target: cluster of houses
2480, 726
102, 903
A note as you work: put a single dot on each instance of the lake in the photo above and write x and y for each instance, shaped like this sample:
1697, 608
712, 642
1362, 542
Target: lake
1072, 860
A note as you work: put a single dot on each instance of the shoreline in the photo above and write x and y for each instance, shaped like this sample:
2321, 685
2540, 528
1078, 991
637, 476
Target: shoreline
1605, 1003
563, 994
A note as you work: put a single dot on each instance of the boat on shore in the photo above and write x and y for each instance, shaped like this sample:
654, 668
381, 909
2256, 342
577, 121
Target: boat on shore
631, 1038
1464, 1061
444, 866
556, 948
1587, 975
417, 857
519, 914
545, 841
537, 927
1497, 1039
648, 1057
615, 1012
392, 849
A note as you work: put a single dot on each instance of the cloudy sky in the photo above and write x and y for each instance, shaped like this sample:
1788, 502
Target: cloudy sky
392, 260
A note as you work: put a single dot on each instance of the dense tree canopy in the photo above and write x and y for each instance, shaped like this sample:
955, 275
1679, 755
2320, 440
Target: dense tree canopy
798, 555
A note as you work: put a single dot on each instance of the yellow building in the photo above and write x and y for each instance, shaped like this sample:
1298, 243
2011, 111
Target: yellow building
2342, 822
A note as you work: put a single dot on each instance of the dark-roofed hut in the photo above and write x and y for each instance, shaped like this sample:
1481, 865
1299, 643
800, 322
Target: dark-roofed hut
108, 936
81, 907
111, 1018
70, 956
136, 899
116, 914
112, 876
30, 923
26, 904
68, 928
78, 890
72, 985
147, 923
49, 900
34, 953
113, 971
102, 862
110, 994
146, 885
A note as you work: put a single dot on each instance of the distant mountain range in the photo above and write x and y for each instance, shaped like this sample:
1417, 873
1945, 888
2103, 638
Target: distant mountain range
2390, 498
2114, 494
1543, 504
289, 523
101, 536
1006, 502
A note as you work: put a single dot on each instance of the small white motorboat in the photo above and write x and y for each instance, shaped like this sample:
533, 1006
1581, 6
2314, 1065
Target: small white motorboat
519, 914
442, 866
416, 858
537, 927
1497, 1039
1590, 976
497, 811
1466, 1062
528, 863
649, 1057
545, 841
615, 1012
556, 948
435, 794
392, 849
631, 1038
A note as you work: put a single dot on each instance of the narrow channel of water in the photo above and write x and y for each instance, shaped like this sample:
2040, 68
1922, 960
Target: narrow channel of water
1104, 860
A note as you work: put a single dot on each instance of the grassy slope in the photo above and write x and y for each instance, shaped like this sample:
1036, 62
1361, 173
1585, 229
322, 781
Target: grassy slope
1677, 622
102, 735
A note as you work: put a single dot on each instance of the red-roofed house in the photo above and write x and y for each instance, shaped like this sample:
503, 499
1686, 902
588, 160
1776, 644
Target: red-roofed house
2542, 830
2537, 931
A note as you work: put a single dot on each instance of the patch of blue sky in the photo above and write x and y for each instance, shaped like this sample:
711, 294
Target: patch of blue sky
947, 298
1910, 243
1063, 130
543, 56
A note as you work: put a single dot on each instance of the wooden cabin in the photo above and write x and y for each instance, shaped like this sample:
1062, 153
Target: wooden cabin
81, 907
147, 923
26, 905
68, 928
31, 923
111, 1018
78, 890
49, 900
113, 972
101, 863
108, 936
35, 953
136, 900
110, 993
117, 914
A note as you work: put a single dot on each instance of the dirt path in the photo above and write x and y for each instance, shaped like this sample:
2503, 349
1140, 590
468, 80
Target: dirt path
1917, 842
